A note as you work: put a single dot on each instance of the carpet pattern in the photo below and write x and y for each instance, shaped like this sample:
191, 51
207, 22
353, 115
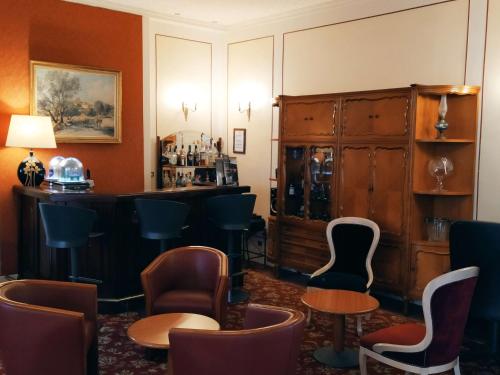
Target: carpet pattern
120, 356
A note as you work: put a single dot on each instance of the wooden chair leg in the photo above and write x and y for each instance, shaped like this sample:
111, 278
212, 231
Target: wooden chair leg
93, 359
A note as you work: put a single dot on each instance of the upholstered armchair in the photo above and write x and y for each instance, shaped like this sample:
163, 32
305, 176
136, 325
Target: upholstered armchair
48, 328
190, 279
435, 347
269, 344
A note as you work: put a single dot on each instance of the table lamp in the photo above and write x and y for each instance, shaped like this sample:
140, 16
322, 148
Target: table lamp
30, 132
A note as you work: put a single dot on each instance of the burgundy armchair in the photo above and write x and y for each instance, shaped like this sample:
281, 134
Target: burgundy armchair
48, 328
269, 344
433, 347
190, 279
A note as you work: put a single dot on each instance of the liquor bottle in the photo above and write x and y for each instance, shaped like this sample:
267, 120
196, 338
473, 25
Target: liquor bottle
196, 156
203, 155
189, 181
184, 180
291, 190
182, 159
173, 157
178, 182
190, 157
210, 155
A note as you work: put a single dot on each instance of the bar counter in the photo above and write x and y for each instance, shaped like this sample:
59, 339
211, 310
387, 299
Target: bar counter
119, 254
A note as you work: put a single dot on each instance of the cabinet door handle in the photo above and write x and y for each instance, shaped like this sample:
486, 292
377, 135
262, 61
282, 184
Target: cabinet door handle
305, 119
370, 116
376, 116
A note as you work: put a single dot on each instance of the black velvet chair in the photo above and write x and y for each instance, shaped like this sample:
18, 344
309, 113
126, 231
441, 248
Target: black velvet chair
161, 219
476, 243
352, 242
232, 214
68, 227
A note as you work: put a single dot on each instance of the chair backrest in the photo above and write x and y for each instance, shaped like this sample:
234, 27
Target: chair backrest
269, 345
161, 219
446, 303
232, 211
189, 268
36, 335
477, 243
352, 242
66, 226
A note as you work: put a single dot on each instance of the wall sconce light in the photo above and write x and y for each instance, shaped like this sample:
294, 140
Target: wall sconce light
247, 109
186, 109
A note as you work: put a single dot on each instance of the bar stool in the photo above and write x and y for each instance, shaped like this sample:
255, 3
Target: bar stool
232, 214
68, 227
161, 219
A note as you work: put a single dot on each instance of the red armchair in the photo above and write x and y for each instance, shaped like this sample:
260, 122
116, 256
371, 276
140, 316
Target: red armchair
190, 279
48, 328
269, 344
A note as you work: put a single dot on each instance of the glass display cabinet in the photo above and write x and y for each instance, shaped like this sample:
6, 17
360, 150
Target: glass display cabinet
321, 167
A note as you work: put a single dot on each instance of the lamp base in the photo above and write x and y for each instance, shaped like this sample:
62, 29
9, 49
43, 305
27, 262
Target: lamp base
31, 171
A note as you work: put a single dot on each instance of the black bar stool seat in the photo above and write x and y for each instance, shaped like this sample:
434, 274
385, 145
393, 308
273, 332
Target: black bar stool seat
68, 227
232, 214
161, 219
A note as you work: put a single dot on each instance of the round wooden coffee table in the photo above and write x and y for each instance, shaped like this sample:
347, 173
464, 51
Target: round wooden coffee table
152, 332
340, 303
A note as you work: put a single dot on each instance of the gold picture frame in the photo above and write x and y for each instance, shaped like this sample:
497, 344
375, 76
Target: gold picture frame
84, 103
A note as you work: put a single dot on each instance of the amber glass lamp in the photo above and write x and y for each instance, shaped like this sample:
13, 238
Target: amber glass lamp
31, 132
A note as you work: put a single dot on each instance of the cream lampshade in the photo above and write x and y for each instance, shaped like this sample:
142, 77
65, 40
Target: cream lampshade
30, 132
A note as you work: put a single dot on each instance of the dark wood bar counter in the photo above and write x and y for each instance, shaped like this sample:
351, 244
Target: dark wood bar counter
116, 257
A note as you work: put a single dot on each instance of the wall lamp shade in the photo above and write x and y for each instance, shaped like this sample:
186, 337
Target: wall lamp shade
30, 132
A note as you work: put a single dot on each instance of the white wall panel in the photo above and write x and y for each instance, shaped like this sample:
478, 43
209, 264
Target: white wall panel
489, 165
183, 74
250, 78
424, 45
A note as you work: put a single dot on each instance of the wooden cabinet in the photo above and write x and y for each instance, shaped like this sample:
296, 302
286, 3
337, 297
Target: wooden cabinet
310, 117
379, 144
376, 114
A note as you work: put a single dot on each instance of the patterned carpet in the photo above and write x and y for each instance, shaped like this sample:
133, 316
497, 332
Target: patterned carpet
118, 355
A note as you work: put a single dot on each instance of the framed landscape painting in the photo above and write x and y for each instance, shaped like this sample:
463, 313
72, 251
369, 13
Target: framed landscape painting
83, 103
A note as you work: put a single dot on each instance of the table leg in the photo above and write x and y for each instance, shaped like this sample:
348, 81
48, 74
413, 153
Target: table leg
337, 356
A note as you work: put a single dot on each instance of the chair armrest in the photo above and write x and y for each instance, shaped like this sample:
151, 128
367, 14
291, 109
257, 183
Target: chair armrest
258, 316
155, 280
66, 296
220, 299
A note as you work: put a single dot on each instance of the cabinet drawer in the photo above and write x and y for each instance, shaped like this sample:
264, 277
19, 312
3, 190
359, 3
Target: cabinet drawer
310, 118
427, 262
376, 115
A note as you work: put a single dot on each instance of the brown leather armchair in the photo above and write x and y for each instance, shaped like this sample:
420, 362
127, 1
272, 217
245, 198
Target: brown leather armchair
269, 344
48, 328
190, 279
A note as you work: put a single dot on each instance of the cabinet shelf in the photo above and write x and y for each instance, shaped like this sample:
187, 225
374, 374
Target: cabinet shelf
442, 193
448, 140
444, 244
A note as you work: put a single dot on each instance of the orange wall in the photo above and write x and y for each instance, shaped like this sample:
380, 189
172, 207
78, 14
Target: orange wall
57, 31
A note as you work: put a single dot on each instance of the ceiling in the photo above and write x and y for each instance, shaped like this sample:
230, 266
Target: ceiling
218, 13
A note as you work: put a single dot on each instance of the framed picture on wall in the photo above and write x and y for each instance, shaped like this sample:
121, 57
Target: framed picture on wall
239, 141
83, 103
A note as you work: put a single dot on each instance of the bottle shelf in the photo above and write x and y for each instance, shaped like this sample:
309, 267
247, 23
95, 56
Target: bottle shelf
168, 166
447, 140
442, 193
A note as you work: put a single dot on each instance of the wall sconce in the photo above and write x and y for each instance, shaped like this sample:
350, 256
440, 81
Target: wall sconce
186, 109
247, 109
